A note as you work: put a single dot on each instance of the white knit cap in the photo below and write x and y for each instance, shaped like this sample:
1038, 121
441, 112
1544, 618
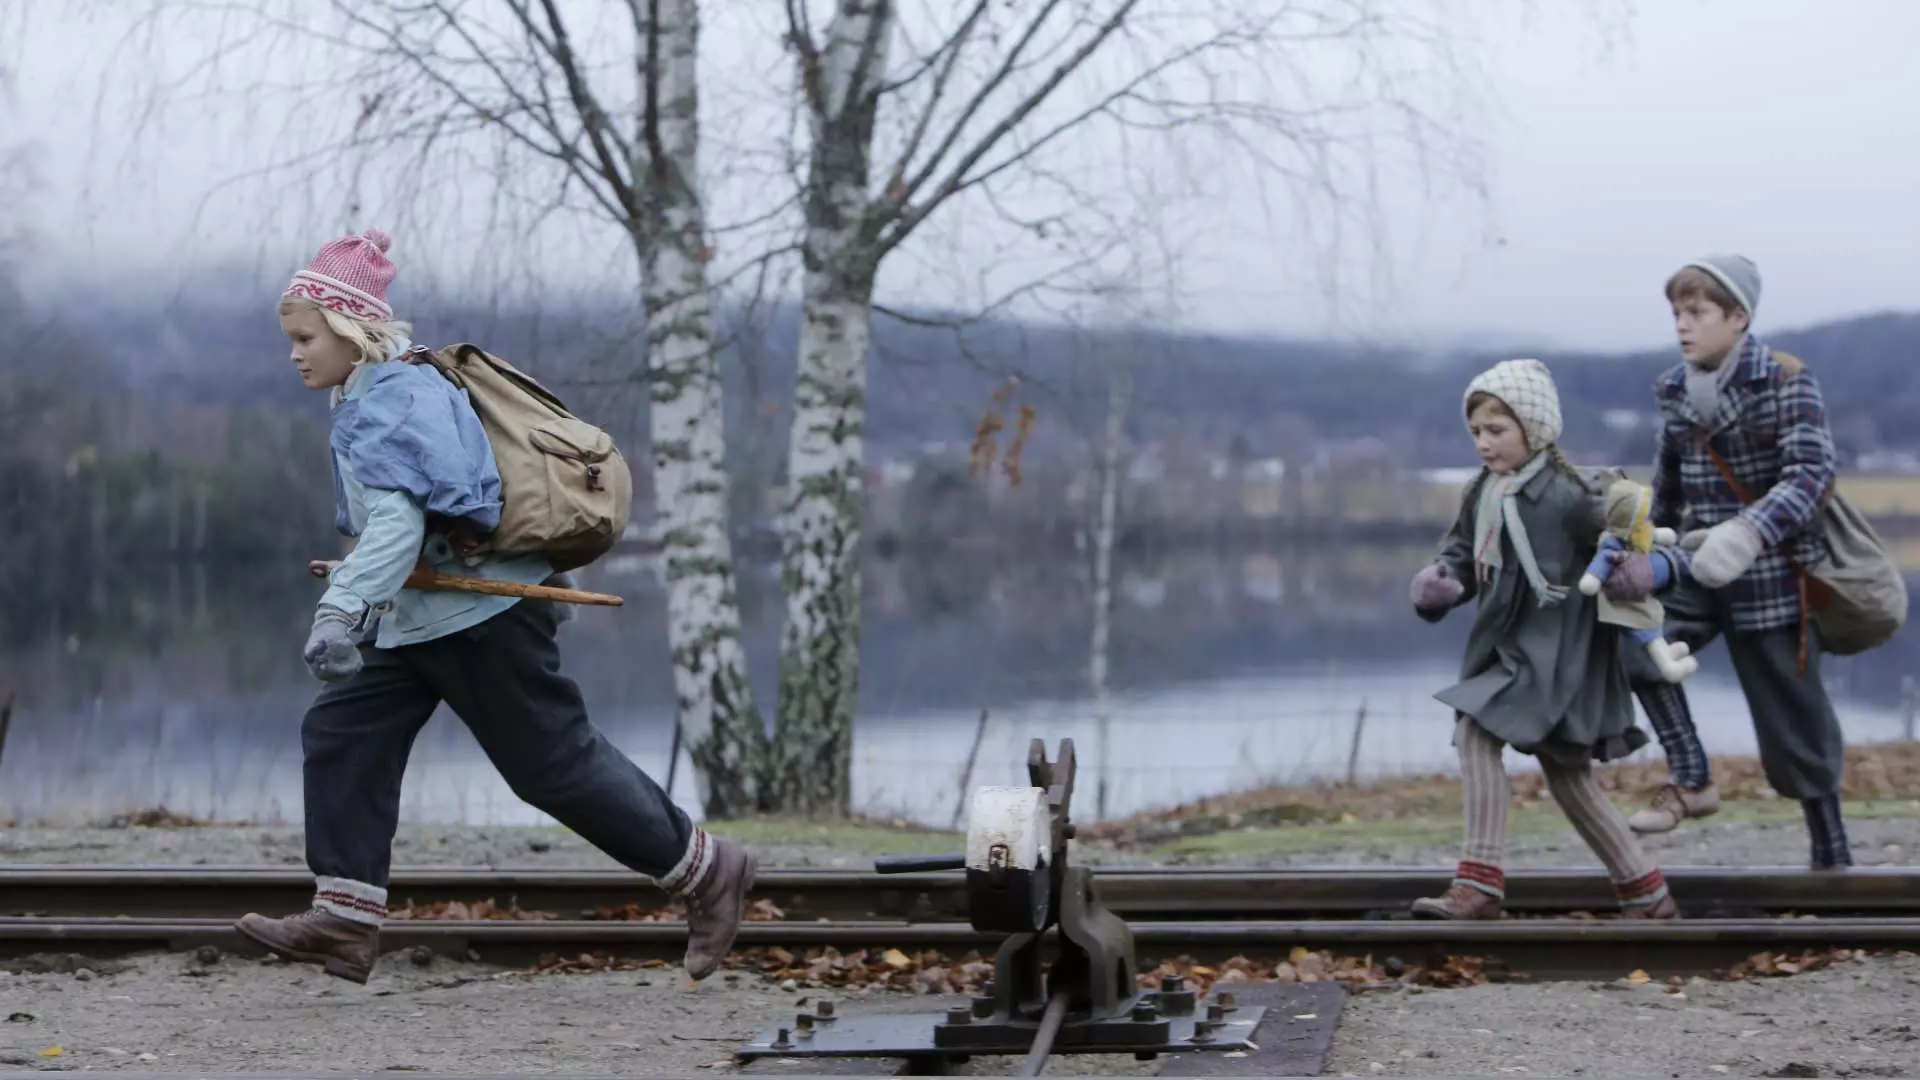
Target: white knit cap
1525, 387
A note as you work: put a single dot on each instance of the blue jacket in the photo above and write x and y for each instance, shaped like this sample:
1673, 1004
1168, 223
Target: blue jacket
406, 444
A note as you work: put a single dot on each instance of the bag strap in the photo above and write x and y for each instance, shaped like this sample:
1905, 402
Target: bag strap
420, 354
1726, 472
1787, 365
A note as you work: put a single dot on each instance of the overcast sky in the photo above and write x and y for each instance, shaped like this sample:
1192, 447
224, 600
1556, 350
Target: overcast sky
1789, 131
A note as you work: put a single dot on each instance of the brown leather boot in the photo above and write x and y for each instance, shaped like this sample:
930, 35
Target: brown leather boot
1459, 902
715, 907
345, 948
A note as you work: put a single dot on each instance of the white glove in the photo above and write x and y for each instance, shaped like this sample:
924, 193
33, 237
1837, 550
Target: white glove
1727, 552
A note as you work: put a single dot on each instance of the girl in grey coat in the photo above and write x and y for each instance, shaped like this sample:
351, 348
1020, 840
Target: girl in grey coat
1541, 674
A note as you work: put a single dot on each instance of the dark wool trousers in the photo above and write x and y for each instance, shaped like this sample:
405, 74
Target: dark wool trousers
1802, 750
502, 679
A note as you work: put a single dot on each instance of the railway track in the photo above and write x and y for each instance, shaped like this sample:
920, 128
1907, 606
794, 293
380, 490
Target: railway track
1545, 948
1192, 895
1203, 913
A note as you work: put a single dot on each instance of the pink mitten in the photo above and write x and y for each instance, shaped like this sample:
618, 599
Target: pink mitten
1633, 578
1434, 589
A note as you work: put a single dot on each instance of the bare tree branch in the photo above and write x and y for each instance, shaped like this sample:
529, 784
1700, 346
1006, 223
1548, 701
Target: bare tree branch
560, 149
958, 180
973, 106
896, 190
800, 40
592, 117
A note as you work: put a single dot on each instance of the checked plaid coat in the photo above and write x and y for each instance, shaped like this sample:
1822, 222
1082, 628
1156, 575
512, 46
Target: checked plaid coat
1771, 430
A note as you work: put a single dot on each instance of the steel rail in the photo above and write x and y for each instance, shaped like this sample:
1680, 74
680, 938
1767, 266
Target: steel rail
1542, 948
1188, 894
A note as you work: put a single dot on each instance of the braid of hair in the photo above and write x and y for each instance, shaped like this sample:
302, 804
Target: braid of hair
1560, 462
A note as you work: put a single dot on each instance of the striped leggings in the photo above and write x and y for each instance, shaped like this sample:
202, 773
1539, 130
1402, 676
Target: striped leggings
1487, 792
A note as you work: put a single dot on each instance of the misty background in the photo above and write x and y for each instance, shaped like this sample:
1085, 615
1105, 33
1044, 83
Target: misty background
164, 474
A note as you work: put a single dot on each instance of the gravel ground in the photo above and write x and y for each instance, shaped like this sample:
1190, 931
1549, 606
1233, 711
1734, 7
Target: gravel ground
1876, 841
166, 1014
1855, 1019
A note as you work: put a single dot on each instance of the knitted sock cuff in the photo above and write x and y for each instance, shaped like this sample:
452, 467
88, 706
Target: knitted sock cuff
1487, 878
355, 901
1646, 889
691, 870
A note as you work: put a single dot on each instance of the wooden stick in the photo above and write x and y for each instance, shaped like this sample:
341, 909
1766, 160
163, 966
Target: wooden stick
433, 580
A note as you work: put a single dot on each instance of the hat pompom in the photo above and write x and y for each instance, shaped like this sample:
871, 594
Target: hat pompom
379, 239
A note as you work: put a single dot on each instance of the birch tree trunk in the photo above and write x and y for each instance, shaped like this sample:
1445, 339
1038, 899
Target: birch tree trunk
1119, 390
714, 701
820, 565
980, 111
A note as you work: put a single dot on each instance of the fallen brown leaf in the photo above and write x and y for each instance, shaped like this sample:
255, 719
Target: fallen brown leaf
456, 910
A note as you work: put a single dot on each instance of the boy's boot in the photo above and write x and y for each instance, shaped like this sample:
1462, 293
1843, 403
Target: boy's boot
716, 898
341, 933
1827, 833
1673, 804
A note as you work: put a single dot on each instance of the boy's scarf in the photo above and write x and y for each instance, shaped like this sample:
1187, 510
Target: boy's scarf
1499, 502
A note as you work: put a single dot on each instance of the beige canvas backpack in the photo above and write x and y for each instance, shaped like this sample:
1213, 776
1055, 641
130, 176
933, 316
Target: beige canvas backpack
567, 491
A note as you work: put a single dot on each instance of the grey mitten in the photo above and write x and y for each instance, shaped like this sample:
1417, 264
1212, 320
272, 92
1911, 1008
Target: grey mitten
1434, 589
331, 653
562, 613
1727, 552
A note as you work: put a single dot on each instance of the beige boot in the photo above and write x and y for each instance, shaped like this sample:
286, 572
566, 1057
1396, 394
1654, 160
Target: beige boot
1673, 804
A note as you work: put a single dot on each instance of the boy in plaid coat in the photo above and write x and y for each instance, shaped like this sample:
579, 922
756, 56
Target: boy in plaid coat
1767, 424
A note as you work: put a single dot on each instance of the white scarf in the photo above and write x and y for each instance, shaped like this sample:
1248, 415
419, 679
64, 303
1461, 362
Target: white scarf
1502, 493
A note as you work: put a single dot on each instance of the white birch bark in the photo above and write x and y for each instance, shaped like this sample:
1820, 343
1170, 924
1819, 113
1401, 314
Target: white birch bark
714, 702
820, 641
1119, 390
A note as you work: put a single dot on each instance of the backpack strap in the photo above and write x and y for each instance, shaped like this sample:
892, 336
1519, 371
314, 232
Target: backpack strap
460, 534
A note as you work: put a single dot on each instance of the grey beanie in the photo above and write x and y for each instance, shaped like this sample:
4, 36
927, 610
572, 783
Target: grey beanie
1739, 276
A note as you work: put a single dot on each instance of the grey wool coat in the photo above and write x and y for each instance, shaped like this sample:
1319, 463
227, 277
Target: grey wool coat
1547, 680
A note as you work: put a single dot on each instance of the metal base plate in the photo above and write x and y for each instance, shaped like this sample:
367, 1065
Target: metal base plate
911, 1035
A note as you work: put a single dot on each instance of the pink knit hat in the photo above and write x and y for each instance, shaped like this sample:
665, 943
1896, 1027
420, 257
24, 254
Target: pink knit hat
350, 276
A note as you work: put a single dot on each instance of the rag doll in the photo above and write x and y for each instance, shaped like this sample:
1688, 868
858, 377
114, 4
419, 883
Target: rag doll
1630, 530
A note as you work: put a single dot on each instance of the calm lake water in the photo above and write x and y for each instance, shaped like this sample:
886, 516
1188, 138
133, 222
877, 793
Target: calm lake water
181, 684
